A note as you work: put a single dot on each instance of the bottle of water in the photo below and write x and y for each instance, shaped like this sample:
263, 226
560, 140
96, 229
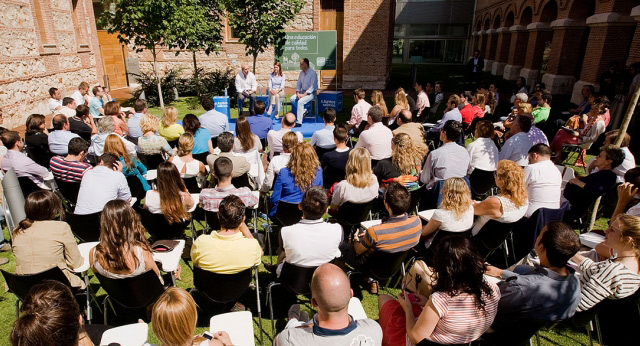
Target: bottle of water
225, 92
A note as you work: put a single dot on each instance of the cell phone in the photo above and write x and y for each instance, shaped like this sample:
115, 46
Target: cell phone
207, 335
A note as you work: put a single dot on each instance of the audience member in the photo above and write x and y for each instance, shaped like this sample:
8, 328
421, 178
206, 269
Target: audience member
96, 104
358, 112
428, 88
112, 109
81, 96
276, 83
449, 161
451, 112
306, 88
406, 159
483, 152
543, 180
414, 130
511, 204
593, 128
628, 192
82, 124
140, 109
201, 137
131, 166
302, 172
171, 197
334, 162
60, 137
68, 107
246, 87
541, 112
289, 140
511, 117
330, 295
104, 183
106, 127
259, 123
377, 138
41, 241
479, 102
438, 97
466, 108
323, 138
213, 120
187, 165
55, 100
360, 184
225, 143
274, 138
35, 136
21, 163
72, 167
377, 99
150, 143
516, 148
168, 128
245, 140
586, 92
223, 171
459, 291
455, 213
400, 98
422, 104
629, 160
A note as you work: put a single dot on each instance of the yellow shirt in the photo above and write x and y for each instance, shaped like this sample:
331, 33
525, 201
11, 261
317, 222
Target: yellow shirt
172, 132
225, 254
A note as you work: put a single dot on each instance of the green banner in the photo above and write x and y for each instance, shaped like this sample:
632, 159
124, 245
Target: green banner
320, 47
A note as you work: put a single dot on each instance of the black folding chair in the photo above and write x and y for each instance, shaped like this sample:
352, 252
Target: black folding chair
68, 190
241, 181
518, 333
287, 214
350, 215
151, 161
134, 293
481, 183
41, 156
27, 186
415, 199
321, 151
84, 227
491, 236
382, 266
136, 188
158, 226
192, 184
202, 157
211, 218
296, 280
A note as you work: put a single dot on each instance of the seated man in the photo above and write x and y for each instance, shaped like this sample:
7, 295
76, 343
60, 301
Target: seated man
377, 138
260, 125
549, 291
223, 170
212, 120
21, 163
516, 148
103, 183
140, 108
312, 241
397, 232
72, 167
414, 130
225, 144
334, 162
289, 140
450, 160
543, 179
450, 113
332, 325
323, 138
274, 138
358, 112
306, 88
246, 87
55, 102
629, 160
68, 107
60, 137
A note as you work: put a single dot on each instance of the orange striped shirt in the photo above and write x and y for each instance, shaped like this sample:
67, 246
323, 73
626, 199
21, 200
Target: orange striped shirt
394, 234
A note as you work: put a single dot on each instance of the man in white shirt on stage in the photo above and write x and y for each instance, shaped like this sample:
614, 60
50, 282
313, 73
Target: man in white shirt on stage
305, 89
246, 87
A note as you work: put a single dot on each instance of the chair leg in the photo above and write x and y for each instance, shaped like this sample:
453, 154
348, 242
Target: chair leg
89, 312
270, 300
258, 305
104, 308
598, 329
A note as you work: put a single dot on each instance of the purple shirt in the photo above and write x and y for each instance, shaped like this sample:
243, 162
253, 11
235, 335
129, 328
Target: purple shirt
260, 125
24, 166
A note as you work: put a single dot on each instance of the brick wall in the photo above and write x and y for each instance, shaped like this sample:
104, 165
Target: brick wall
40, 48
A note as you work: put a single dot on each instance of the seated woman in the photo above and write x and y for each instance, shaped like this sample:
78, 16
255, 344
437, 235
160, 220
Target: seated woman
131, 166
511, 204
400, 98
201, 136
174, 319
150, 143
187, 165
112, 109
542, 110
616, 277
378, 99
303, 171
459, 291
171, 197
478, 105
406, 159
594, 127
36, 139
360, 184
169, 129
245, 140
123, 251
483, 152
455, 213
42, 241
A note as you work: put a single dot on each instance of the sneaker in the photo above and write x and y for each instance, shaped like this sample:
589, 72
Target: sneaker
294, 312
373, 287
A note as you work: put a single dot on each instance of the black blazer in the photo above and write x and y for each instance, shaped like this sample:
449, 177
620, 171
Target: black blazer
479, 68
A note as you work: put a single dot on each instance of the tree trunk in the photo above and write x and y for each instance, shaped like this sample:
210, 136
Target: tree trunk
255, 57
196, 78
627, 117
155, 71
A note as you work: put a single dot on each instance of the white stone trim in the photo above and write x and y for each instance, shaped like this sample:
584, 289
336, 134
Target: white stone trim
538, 26
559, 84
502, 30
567, 22
517, 28
610, 17
491, 31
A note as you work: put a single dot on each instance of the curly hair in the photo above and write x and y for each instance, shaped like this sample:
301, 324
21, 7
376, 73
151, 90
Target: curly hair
303, 165
512, 182
456, 196
407, 157
358, 169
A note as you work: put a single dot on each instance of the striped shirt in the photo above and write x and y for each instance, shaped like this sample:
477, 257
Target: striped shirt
460, 320
69, 171
605, 279
210, 198
394, 234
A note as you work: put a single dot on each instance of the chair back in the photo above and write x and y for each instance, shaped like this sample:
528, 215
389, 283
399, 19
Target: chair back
212, 220
481, 182
491, 236
321, 151
68, 190
239, 326
41, 156
415, 199
382, 265
134, 292
202, 157
617, 318
517, 333
21, 284
352, 214
151, 161
27, 186
158, 226
296, 278
526, 230
241, 181
221, 288
191, 184
84, 227
287, 214
128, 335
136, 188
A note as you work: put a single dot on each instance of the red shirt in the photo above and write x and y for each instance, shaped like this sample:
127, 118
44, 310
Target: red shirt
467, 114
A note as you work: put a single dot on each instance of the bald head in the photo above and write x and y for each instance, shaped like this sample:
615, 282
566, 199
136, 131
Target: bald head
289, 120
59, 122
330, 288
405, 116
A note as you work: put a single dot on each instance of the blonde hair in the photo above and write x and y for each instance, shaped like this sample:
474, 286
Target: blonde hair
113, 144
480, 100
513, 186
149, 123
358, 169
525, 108
174, 317
378, 99
630, 227
303, 164
406, 156
456, 196
185, 144
169, 116
400, 97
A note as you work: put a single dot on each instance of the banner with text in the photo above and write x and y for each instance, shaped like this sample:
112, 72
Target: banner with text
320, 47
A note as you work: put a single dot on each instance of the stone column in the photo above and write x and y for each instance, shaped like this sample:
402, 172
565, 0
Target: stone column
491, 50
634, 53
517, 52
566, 46
609, 40
539, 34
483, 42
502, 51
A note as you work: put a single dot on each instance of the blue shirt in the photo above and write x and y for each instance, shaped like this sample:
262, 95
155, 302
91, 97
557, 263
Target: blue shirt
201, 140
94, 104
134, 125
453, 114
307, 81
215, 122
260, 125
137, 170
324, 138
59, 141
286, 190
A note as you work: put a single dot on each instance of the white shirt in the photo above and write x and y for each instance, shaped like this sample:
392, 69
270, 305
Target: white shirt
152, 201
78, 97
517, 148
634, 211
311, 243
275, 165
359, 112
246, 83
99, 186
510, 214
307, 81
53, 104
68, 112
544, 186
483, 154
450, 223
376, 139
345, 192
59, 141
274, 139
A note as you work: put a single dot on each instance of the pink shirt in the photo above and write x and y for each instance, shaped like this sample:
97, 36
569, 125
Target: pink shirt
423, 102
359, 113
377, 140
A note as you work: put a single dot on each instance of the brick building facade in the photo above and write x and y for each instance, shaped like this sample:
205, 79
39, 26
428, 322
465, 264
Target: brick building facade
564, 43
44, 44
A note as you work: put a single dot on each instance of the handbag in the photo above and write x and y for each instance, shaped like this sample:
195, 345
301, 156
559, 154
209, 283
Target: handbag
418, 279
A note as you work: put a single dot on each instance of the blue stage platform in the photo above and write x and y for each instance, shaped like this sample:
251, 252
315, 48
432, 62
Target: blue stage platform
307, 129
